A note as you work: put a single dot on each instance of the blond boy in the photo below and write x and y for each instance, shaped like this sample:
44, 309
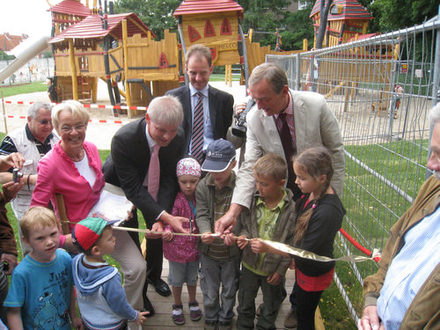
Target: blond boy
41, 292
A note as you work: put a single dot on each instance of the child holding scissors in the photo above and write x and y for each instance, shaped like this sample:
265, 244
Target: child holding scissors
181, 251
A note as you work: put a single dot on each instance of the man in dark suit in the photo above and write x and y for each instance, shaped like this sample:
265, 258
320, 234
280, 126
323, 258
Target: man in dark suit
128, 166
217, 105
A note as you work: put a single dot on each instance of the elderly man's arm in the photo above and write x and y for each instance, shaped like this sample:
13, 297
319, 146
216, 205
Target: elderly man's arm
245, 183
332, 139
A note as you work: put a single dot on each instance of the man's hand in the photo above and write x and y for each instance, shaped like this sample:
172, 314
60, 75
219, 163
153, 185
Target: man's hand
227, 221
69, 246
10, 190
157, 227
175, 222
369, 319
11, 260
207, 238
274, 279
14, 160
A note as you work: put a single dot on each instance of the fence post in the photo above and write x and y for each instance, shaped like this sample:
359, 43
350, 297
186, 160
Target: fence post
435, 86
298, 73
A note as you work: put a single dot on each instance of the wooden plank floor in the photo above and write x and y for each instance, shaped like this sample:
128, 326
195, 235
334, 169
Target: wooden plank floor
162, 305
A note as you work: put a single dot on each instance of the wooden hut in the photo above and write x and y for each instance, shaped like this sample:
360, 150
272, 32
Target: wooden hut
213, 23
346, 19
115, 48
67, 13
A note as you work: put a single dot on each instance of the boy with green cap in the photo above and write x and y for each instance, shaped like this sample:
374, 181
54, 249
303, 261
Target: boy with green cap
101, 298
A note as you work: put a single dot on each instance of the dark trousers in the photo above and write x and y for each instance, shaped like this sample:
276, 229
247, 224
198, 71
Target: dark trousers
3, 294
306, 303
273, 296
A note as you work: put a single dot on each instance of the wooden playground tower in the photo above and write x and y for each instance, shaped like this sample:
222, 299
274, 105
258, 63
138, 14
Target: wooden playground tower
89, 45
348, 21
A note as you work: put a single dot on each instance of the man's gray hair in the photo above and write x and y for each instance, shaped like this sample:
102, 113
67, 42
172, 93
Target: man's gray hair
165, 110
33, 109
272, 73
434, 114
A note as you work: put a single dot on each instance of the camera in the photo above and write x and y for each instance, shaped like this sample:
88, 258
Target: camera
240, 127
16, 175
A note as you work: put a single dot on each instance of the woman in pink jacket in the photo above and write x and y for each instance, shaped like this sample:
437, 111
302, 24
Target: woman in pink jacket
72, 168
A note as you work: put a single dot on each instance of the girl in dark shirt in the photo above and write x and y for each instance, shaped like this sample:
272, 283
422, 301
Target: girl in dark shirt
319, 217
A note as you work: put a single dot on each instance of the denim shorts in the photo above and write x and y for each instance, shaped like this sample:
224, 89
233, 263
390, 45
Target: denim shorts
183, 273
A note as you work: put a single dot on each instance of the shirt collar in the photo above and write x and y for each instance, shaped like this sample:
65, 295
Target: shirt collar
194, 91
260, 202
289, 109
31, 137
151, 142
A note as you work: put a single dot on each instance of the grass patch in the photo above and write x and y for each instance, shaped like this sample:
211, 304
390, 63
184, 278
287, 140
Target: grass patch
23, 89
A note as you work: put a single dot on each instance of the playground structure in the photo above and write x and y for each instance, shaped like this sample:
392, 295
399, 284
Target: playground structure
116, 48
348, 21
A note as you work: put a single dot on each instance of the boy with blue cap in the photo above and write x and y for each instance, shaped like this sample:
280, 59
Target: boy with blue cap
101, 298
219, 264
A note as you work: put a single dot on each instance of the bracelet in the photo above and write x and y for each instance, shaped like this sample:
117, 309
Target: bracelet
27, 181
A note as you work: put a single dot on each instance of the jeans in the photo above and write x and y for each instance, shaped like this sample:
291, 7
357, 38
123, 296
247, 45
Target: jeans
214, 273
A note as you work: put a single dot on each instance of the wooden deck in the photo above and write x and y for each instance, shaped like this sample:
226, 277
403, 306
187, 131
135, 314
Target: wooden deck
162, 305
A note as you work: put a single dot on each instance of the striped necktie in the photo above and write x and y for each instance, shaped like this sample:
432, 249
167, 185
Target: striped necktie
197, 130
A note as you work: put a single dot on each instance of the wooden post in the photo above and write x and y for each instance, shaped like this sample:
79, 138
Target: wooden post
4, 114
73, 69
61, 207
125, 48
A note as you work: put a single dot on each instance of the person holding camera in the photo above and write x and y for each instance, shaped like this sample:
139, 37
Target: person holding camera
33, 141
8, 245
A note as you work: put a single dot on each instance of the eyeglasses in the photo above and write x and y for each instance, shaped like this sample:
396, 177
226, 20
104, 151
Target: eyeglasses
78, 128
45, 122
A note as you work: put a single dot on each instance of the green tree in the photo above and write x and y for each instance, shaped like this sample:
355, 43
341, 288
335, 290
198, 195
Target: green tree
391, 15
156, 14
298, 27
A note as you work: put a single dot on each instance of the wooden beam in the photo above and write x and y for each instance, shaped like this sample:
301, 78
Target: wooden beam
73, 70
125, 48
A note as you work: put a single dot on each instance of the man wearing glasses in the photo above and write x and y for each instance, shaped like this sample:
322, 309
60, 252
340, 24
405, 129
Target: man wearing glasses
33, 141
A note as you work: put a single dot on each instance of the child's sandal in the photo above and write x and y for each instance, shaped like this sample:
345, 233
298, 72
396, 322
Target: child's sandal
194, 311
178, 317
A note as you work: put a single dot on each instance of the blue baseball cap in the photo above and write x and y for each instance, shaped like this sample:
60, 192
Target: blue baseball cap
219, 155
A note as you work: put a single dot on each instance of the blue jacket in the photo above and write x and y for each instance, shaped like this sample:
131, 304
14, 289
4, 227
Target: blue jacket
101, 298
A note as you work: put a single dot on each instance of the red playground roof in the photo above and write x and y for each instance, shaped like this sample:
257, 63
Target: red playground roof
351, 9
71, 7
91, 27
191, 7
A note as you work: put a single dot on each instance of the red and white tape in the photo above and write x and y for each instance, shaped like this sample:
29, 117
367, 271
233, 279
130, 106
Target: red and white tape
87, 105
93, 121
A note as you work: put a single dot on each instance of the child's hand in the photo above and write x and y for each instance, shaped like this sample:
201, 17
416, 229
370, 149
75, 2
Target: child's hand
274, 279
242, 241
141, 317
207, 238
157, 226
292, 264
77, 323
229, 239
167, 236
258, 246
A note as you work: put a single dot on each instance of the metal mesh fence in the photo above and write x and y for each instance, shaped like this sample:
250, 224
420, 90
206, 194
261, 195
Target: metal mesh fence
381, 90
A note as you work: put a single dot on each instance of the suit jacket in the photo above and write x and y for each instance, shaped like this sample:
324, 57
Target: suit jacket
315, 125
128, 163
220, 110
